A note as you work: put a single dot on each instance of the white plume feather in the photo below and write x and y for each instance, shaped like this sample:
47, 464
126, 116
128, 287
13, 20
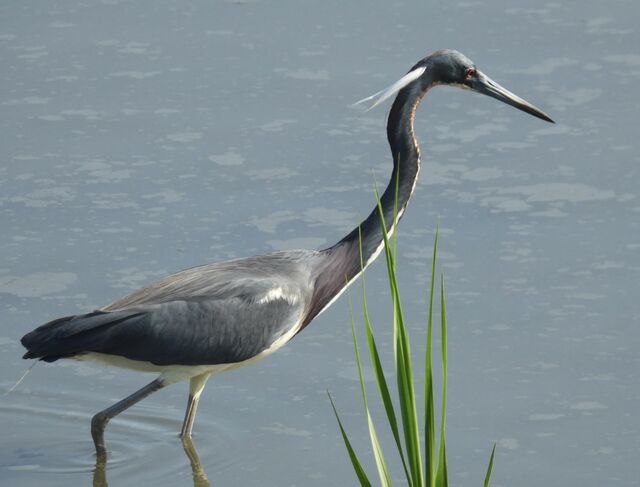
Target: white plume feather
382, 95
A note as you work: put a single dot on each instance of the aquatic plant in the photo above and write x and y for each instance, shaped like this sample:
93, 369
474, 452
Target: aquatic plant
423, 467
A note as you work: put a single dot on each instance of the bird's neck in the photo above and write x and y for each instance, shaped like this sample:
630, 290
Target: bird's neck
344, 261
406, 166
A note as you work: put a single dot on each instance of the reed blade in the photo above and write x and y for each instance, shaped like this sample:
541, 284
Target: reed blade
404, 370
441, 474
487, 478
355, 462
381, 464
381, 382
429, 407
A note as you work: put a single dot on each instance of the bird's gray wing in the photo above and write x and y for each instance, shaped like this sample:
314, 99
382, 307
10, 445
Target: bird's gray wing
219, 313
197, 332
205, 332
247, 278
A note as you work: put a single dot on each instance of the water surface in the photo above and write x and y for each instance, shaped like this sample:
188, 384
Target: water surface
141, 138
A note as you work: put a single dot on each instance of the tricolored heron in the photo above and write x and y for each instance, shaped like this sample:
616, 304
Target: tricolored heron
229, 314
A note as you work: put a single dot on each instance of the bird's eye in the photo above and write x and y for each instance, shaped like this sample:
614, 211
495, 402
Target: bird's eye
470, 73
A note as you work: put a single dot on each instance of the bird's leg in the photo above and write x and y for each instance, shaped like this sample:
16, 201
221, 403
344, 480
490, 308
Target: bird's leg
100, 420
196, 386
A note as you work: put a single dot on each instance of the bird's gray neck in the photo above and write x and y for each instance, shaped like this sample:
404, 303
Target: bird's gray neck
345, 260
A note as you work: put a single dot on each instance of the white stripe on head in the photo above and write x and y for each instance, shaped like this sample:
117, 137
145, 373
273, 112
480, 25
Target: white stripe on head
382, 95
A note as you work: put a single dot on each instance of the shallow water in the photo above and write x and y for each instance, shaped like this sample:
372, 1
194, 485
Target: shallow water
140, 138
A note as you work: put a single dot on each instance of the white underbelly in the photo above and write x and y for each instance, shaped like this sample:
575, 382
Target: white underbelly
168, 373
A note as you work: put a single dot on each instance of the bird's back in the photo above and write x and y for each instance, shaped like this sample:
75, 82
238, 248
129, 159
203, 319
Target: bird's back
250, 278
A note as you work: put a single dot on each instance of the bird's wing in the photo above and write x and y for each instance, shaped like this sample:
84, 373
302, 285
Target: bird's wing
206, 332
197, 332
249, 278
220, 313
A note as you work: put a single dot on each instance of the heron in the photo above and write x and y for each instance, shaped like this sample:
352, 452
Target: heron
224, 315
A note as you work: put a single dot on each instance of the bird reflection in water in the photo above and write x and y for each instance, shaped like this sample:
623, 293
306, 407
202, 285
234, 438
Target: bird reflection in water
200, 478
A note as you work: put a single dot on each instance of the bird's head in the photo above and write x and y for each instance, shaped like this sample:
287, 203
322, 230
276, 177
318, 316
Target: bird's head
449, 67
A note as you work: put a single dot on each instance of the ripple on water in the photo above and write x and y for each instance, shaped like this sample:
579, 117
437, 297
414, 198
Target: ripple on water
46, 435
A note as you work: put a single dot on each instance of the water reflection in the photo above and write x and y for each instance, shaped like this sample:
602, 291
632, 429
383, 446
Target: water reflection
100, 471
200, 478
199, 475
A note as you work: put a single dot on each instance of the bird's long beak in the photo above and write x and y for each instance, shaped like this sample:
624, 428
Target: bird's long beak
485, 85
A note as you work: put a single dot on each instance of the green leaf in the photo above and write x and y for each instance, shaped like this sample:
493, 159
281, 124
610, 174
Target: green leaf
435, 472
429, 407
383, 471
487, 478
404, 370
441, 474
394, 245
357, 466
381, 382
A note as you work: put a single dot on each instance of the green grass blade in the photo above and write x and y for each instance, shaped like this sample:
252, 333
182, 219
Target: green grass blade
487, 478
381, 382
435, 472
376, 364
394, 237
390, 263
404, 370
408, 408
378, 370
390, 259
430, 445
429, 408
357, 466
441, 474
383, 471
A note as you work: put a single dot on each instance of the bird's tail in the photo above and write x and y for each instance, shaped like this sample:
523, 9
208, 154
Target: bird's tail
71, 335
